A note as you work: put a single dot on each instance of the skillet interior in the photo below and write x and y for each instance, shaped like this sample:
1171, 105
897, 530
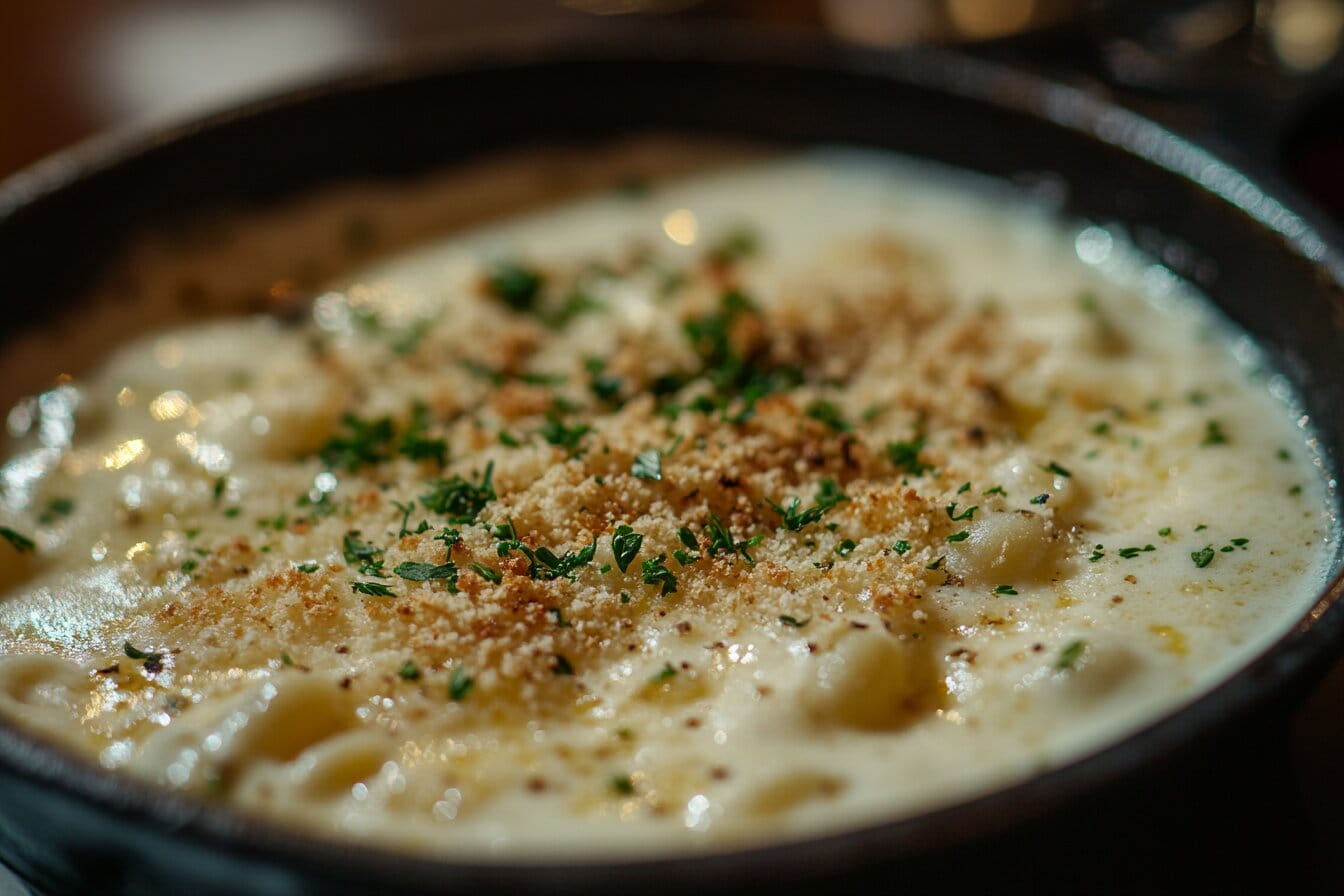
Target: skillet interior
72, 827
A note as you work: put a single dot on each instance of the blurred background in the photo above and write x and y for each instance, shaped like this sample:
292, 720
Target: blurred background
1264, 74
1261, 80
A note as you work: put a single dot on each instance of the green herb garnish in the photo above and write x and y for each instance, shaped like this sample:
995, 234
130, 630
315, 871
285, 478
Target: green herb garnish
490, 574
21, 543
424, 572
1070, 654
721, 541
904, 456
827, 497
515, 284
563, 436
1213, 434
654, 571
362, 443
459, 684
829, 413
415, 445
648, 465
625, 544
57, 508
460, 499
956, 516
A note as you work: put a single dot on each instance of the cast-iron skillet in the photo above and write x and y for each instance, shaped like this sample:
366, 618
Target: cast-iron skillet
1105, 822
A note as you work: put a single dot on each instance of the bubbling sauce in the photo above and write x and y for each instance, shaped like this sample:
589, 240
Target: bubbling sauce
800, 494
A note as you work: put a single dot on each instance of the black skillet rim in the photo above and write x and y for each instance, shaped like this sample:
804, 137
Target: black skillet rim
1298, 658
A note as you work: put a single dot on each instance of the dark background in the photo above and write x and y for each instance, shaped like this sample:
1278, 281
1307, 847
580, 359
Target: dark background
1263, 81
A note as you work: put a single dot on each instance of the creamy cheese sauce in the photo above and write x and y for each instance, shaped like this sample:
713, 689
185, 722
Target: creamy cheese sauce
780, 499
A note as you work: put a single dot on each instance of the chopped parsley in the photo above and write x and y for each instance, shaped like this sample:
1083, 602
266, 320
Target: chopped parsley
490, 574
1213, 434
514, 283
996, 490
793, 622
1004, 589
460, 499
1070, 654
559, 616
625, 544
310, 566
739, 243
57, 508
459, 684
901, 547
904, 456
956, 516
829, 413
424, 572
277, 523
846, 547
959, 536
687, 537
1203, 557
1040, 499
21, 543
648, 465
361, 443
1164, 531
654, 571
153, 661
667, 673
409, 671
794, 518
375, 589
1131, 553
543, 563
562, 666
1055, 468
555, 431
621, 784
414, 444
721, 540
356, 551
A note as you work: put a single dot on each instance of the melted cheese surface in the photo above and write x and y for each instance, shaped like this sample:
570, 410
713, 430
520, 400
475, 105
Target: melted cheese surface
776, 500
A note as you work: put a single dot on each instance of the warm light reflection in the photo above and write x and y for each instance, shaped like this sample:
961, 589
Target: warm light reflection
126, 453
170, 405
982, 19
126, 396
681, 226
